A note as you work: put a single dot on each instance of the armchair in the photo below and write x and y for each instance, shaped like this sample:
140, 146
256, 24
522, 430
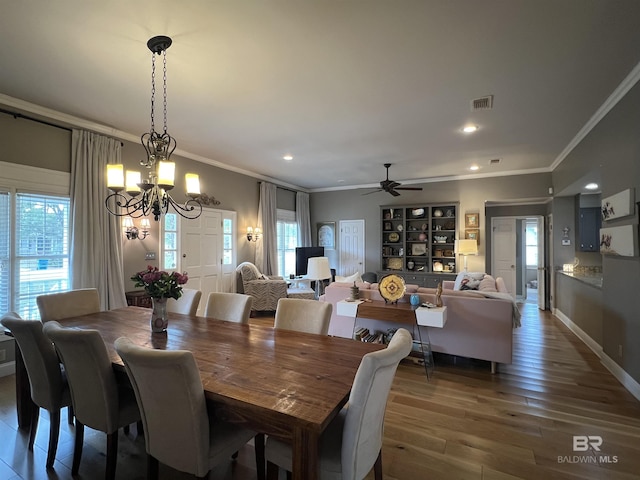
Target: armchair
265, 290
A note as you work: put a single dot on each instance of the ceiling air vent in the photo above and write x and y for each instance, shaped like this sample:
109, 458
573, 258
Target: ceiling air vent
482, 103
495, 161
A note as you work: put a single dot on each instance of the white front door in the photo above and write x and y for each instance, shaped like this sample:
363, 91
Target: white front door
503, 251
201, 251
351, 247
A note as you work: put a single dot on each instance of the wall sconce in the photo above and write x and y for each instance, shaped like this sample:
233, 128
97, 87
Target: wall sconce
133, 232
254, 234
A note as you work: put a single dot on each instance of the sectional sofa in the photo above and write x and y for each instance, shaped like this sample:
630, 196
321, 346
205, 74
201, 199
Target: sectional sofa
478, 326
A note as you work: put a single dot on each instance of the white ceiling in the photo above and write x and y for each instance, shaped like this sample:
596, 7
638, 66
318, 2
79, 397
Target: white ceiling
343, 86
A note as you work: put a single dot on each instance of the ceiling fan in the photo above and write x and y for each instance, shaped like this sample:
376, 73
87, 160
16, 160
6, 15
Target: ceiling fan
390, 186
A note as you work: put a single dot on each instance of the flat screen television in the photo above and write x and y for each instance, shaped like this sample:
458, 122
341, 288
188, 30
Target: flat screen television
303, 254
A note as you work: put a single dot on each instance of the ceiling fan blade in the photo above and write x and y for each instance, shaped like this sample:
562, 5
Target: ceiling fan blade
408, 188
394, 184
394, 193
373, 191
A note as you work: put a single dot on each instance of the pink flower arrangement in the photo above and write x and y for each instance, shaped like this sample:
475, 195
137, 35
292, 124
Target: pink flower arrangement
160, 284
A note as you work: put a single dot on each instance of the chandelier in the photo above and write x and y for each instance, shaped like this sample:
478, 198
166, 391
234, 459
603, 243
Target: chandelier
150, 196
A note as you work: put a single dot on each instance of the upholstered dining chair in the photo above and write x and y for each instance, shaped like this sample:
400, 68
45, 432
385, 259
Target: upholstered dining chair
54, 306
49, 387
352, 444
179, 430
187, 304
232, 307
99, 402
301, 315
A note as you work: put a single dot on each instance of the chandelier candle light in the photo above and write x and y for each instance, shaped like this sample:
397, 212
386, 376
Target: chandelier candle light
153, 192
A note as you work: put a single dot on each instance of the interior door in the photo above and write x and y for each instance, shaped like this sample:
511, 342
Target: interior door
200, 251
503, 250
351, 246
541, 277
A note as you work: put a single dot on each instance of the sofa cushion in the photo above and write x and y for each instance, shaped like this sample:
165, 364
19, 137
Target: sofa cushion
487, 284
501, 286
356, 277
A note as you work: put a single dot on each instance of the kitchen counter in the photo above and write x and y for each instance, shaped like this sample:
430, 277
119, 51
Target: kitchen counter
593, 279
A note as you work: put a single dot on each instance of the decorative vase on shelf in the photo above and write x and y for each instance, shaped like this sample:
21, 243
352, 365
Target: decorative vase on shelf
159, 315
414, 299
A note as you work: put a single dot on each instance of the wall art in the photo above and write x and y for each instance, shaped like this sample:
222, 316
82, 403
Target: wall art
621, 240
327, 235
618, 205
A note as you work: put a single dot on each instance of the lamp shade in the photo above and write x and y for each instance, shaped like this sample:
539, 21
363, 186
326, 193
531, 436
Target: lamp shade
466, 247
318, 268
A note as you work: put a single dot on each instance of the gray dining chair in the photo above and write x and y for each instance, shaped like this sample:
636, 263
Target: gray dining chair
49, 387
99, 401
180, 430
55, 306
232, 307
187, 304
301, 315
352, 443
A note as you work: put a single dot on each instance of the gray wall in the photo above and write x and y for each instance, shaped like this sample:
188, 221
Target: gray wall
470, 194
52, 150
612, 152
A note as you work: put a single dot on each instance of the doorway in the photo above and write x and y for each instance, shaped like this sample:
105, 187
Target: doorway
518, 246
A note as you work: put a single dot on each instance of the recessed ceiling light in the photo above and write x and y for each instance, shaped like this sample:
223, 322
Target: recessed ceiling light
474, 167
470, 129
591, 186
288, 158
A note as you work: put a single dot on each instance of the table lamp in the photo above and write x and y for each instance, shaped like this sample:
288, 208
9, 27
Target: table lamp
466, 247
318, 270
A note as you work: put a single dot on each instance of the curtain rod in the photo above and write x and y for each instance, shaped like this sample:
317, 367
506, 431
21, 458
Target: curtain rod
37, 120
284, 188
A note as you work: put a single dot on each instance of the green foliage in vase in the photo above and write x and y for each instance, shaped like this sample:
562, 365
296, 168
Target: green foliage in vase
160, 284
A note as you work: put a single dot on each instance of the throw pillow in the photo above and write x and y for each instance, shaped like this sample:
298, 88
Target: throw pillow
475, 276
350, 279
500, 285
470, 284
488, 284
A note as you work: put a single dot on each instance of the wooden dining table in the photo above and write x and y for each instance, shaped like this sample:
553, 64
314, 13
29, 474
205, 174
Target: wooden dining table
279, 382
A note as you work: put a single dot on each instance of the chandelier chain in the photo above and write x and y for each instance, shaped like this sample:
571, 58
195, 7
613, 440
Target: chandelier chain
153, 91
164, 80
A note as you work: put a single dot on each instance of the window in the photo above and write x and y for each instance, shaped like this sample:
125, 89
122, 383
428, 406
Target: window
227, 241
287, 238
531, 243
170, 242
36, 260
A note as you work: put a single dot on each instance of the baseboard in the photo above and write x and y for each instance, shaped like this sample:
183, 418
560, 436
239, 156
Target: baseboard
8, 368
616, 370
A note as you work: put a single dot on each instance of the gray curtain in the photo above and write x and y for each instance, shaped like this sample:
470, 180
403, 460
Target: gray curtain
96, 241
267, 247
303, 218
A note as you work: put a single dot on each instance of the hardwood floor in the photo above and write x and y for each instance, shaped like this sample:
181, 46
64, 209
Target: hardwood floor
463, 424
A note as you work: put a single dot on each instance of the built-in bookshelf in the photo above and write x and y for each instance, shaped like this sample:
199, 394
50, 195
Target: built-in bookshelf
418, 242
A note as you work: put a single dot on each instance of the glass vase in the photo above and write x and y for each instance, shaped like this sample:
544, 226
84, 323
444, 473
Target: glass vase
159, 315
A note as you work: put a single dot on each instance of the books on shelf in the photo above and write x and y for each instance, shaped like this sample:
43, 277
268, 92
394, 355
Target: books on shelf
362, 334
